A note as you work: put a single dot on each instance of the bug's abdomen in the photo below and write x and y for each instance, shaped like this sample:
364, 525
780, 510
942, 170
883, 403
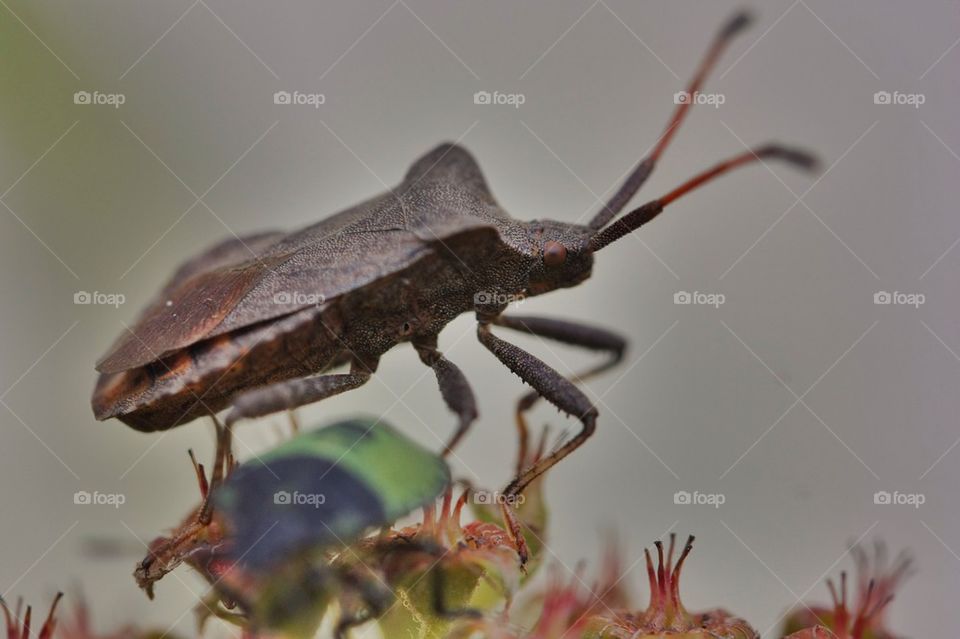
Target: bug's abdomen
203, 378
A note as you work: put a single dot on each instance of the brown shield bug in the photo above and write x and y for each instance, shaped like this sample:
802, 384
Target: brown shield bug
254, 323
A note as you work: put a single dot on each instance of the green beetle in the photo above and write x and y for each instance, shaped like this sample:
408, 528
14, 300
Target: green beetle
325, 488
266, 529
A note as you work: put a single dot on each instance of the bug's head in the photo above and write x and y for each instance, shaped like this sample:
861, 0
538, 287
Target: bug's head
161, 558
562, 256
195, 543
200, 540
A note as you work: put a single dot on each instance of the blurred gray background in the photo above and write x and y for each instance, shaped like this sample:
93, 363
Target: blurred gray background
797, 399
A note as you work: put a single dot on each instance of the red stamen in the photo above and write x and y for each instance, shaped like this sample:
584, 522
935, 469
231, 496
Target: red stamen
673, 541
25, 633
652, 578
46, 632
675, 577
661, 575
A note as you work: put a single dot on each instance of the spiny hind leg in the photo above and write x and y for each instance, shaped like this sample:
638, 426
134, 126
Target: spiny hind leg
557, 390
294, 393
573, 333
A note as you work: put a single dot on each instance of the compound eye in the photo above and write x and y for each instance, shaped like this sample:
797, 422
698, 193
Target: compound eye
554, 253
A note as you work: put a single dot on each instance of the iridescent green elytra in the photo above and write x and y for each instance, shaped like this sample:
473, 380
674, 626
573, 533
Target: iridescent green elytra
325, 488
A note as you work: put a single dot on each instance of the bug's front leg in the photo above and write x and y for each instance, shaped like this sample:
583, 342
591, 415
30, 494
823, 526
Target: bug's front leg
375, 594
554, 387
294, 393
583, 335
454, 388
437, 574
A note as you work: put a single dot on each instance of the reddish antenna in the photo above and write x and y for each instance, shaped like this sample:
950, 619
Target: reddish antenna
643, 170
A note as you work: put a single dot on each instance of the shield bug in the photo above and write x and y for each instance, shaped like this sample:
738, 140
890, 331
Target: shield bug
285, 512
306, 499
255, 323
325, 488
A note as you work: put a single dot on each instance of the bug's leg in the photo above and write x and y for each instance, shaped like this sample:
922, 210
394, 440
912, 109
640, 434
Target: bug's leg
294, 393
454, 388
374, 593
294, 422
437, 577
222, 465
210, 606
438, 587
643, 170
583, 335
554, 387
513, 526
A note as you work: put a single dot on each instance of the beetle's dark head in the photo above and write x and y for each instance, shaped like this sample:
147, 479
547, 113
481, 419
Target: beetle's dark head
562, 256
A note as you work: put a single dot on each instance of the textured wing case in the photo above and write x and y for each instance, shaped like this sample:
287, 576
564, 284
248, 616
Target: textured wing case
248, 280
